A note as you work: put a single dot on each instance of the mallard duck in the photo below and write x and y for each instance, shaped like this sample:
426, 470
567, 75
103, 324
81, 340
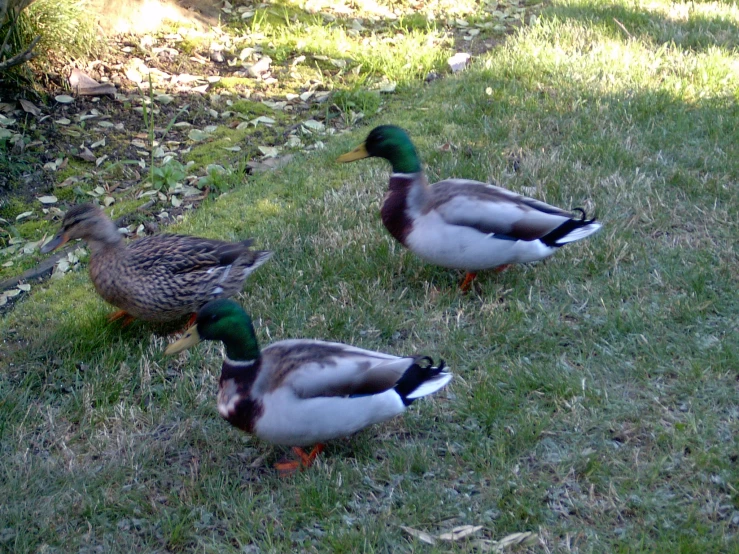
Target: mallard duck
304, 392
464, 224
161, 277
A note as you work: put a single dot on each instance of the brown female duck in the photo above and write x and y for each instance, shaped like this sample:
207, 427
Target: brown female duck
158, 278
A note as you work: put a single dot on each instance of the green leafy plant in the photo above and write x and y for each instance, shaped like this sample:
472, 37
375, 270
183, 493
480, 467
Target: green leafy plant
159, 174
216, 178
168, 174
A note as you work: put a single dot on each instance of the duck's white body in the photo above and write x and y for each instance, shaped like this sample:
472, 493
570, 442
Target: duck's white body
470, 225
300, 392
306, 391
294, 421
436, 241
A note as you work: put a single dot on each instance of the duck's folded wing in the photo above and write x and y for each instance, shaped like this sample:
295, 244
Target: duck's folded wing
314, 369
184, 254
494, 210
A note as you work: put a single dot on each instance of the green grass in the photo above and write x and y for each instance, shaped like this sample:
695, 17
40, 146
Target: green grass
365, 43
64, 30
595, 394
354, 51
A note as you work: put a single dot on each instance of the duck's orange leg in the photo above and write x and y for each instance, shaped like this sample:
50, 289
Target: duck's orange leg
502, 268
288, 467
124, 315
467, 283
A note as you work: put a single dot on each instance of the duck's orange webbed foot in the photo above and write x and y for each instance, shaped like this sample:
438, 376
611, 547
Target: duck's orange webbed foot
467, 283
123, 315
289, 467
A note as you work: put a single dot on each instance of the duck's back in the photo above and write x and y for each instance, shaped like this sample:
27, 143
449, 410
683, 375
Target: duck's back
165, 277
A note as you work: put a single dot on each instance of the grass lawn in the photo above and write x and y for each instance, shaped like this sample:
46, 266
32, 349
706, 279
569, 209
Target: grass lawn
595, 399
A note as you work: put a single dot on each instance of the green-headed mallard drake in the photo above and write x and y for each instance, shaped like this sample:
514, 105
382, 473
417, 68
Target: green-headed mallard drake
304, 392
460, 223
161, 277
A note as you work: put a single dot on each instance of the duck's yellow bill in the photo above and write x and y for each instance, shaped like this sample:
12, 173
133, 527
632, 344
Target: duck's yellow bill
357, 154
190, 338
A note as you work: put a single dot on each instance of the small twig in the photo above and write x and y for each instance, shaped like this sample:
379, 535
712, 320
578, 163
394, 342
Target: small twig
628, 34
20, 58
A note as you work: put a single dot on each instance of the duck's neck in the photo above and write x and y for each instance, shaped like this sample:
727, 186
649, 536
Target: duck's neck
242, 359
105, 236
242, 348
403, 157
404, 201
238, 373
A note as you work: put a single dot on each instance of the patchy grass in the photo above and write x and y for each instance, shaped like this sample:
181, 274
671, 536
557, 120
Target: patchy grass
595, 397
64, 29
331, 65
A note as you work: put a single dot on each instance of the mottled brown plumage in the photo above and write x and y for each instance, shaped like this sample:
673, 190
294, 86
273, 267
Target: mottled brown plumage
162, 277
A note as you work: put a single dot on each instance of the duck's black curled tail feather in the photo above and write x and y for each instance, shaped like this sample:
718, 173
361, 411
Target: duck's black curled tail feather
571, 230
421, 379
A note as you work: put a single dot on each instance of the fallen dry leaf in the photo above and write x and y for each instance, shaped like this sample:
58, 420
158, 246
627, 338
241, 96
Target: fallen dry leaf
269, 163
515, 539
269, 151
263, 119
86, 155
458, 61
459, 533
84, 85
29, 107
420, 535
69, 181
197, 135
314, 125
262, 66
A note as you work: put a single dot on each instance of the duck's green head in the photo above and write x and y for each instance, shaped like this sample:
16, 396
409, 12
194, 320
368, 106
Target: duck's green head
222, 320
389, 142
